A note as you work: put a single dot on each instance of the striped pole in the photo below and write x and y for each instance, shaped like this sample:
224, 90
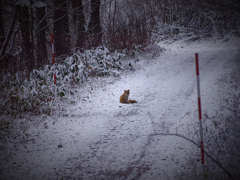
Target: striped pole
53, 56
199, 109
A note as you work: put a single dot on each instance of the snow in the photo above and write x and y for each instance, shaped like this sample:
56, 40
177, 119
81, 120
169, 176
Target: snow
99, 138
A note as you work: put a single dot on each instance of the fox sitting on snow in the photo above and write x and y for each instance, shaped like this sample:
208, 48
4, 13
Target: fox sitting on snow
124, 98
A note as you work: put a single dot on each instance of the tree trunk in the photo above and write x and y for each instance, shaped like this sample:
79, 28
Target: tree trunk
27, 43
1, 24
61, 29
4, 57
79, 21
42, 57
94, 27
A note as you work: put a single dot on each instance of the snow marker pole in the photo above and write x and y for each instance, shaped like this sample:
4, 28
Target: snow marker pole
53, 56
199, 109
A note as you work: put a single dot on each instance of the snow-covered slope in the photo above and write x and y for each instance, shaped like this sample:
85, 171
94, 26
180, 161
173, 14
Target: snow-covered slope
99, 138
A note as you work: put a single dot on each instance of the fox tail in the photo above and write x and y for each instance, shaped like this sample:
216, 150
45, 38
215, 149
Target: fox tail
132, 101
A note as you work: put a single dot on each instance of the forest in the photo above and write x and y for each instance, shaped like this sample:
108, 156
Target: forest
26, 26
65, 63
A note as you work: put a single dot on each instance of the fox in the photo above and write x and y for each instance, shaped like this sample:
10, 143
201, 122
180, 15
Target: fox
124, 98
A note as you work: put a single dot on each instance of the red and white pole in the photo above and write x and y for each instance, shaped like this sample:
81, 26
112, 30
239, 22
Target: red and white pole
199, 109
53, 56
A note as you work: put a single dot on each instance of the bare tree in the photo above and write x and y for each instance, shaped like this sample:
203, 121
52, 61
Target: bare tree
41, 36
79, 22
94, 27
61, 28
127, 24
24, 18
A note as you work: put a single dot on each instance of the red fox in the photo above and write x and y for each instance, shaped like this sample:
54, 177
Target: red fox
124, 98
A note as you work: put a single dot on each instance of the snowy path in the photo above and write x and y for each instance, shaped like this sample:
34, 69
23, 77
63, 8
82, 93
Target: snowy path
99, 138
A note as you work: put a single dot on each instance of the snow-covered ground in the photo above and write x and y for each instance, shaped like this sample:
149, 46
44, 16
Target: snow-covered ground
99, 138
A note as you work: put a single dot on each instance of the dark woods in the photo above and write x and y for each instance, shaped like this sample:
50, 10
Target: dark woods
26, 26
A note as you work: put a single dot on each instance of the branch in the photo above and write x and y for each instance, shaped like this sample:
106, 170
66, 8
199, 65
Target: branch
11, 44
58, 19
49, 14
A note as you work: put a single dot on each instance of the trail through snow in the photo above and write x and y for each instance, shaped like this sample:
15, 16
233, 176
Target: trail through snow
99, 138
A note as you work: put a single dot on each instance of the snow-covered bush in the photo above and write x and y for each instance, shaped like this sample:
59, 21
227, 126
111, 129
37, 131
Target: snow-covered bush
38, 93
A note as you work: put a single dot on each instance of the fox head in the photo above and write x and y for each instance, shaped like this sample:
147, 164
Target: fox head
127, 92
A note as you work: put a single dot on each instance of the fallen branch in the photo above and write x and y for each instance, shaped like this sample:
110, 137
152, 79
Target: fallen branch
198, 145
